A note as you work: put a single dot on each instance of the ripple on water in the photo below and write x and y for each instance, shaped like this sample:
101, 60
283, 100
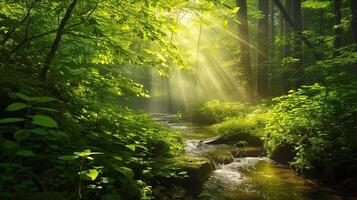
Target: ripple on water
261, 179
247, 178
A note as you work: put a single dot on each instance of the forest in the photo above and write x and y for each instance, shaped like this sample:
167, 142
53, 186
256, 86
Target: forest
179, 99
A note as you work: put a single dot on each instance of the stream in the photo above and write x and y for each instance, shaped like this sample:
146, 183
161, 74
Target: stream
247, 178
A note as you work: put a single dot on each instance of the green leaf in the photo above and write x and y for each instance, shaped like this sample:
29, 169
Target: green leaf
21, 135
23, 96
39, 131
43, 120
16, 106
68, 157
25, 153
225, 24
43, 99
9, 145
86, 152
89, 175
127, 172
46, 109
235, 10
131, 146
11, 120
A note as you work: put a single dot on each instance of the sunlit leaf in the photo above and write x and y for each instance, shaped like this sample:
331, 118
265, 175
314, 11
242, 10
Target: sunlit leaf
89, 175
86, 152
43, 120
131, 146
225, 24
235, 10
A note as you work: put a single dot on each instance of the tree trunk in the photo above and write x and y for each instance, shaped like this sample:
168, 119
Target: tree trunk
337, 42
55, 44
287, 30
263, 50
245, 61
292, 24
353, 6
322, 32
273, 53
287, 46
298, 43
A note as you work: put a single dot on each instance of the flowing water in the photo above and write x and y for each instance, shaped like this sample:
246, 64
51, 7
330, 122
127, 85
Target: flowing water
249, 178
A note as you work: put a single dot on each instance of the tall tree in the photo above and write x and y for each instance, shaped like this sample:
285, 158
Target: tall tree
353, 6
287, 30
263, 50
56, 41
298, 42
287, 45
337, 42
290, 21
244, 44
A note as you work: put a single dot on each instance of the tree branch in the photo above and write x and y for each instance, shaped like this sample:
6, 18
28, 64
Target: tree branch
8, 34
55, 44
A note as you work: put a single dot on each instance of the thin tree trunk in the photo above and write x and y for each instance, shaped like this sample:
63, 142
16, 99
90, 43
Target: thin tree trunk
337, 42
322, 32
287, 30
55, 44
287, 46
263, 50
272, 56
298, 43
292, 24
272, 29
245, 61
353, 6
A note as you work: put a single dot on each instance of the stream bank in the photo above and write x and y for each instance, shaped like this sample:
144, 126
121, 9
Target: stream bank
252, 177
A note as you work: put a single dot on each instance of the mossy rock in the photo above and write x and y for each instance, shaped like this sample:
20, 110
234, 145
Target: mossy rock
234, 138
193, 171
249, 151
283, 154
221, 156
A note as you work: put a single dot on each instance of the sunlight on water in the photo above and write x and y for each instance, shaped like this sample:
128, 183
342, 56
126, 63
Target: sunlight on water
249, 178
261, 179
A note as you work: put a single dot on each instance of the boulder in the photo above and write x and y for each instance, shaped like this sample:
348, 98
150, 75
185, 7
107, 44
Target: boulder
234, 138
221, 156
188, 172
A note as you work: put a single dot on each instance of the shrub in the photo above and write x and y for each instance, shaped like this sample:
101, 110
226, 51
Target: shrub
318, 123
216, 111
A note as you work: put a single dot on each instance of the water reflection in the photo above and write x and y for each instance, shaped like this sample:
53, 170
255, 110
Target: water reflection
250, 178
255, 178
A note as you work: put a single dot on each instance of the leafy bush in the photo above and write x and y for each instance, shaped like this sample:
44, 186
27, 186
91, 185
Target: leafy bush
46, 149
248, 128
318, 123
216, 111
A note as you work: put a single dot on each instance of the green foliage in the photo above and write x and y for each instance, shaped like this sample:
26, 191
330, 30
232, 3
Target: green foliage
318, 123
216, 111
245, 128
